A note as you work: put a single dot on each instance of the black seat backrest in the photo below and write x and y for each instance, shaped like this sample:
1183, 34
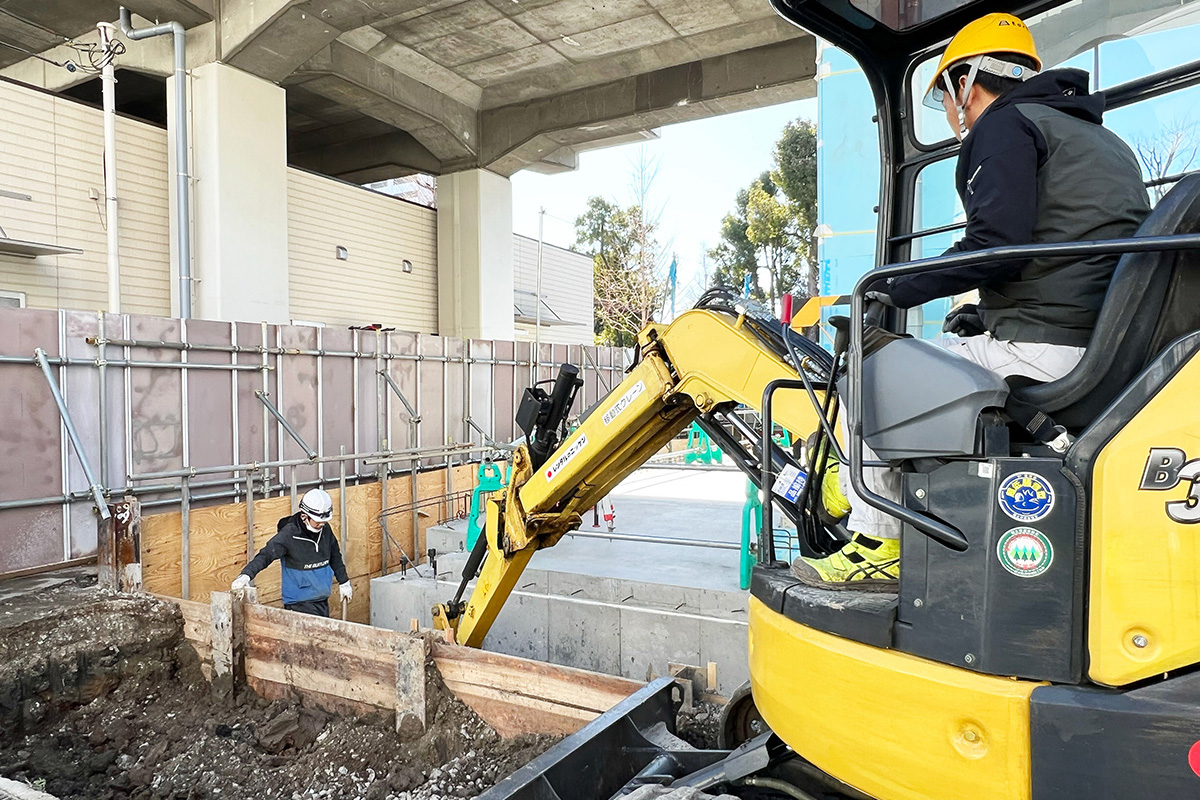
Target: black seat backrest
1153, 299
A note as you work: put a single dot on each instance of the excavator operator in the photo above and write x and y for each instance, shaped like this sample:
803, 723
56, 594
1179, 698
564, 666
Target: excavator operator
1036, 165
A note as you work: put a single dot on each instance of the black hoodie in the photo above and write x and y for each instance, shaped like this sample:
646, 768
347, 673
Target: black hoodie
1038, 166
310, 561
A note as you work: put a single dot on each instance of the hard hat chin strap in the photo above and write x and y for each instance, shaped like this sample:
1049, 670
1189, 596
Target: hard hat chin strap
960, 105
995, 66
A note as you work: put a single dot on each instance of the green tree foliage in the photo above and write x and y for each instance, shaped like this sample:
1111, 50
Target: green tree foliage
628, 284
773, 224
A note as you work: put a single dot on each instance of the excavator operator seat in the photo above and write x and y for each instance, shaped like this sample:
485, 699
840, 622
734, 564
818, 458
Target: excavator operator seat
1151, 301
920, 400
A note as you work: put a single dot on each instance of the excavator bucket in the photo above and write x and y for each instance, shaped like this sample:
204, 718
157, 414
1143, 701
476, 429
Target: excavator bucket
634, 742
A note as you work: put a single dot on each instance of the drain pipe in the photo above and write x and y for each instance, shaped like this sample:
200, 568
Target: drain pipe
183, 213
108, 92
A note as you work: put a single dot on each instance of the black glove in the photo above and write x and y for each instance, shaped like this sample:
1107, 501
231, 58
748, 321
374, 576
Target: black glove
964, 321
880, 297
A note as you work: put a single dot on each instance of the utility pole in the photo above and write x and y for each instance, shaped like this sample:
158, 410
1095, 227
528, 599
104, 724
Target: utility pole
537, 314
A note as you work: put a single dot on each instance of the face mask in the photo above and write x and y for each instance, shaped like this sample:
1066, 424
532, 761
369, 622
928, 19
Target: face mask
319, 527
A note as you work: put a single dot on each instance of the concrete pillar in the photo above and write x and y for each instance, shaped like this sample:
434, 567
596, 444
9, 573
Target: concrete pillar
239, 196
475, 261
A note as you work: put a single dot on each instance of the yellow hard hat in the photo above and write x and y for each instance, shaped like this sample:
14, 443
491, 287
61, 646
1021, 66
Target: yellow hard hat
994, 33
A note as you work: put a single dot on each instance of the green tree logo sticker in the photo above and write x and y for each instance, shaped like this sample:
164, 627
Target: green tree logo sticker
1025, 552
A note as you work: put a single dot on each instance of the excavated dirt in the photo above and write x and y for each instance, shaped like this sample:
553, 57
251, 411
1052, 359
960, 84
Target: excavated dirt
103, 701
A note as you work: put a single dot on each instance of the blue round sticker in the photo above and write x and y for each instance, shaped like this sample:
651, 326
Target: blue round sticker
1026, 496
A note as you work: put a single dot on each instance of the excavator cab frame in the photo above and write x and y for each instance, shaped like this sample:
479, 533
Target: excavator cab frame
1043, 642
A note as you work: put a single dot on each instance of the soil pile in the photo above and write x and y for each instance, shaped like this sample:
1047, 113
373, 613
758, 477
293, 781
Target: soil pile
152, 729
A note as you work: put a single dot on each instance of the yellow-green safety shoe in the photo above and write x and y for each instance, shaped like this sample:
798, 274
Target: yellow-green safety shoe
863, 565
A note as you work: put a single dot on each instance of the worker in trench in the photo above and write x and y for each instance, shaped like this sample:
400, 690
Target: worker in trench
309, 558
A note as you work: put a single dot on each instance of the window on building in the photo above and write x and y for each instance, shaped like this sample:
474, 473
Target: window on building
12, 299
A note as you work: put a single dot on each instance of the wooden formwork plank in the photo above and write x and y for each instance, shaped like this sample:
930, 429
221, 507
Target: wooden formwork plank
524, 678
530, 715
357, 663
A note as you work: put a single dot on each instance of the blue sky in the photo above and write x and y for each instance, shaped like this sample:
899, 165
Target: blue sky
701, 166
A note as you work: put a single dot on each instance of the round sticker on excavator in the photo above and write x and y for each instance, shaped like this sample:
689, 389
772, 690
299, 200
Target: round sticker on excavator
1025, 552
1026, 497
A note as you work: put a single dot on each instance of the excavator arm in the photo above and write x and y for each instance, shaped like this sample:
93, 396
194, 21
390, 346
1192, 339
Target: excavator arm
705, 361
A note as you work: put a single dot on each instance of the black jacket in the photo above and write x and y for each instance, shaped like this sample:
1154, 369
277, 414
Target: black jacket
1038, 166
310, 561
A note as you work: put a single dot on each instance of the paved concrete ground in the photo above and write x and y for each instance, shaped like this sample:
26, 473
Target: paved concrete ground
621, 607
677, 503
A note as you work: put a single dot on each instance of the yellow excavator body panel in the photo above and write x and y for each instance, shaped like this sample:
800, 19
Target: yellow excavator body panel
1144, 600
889, 724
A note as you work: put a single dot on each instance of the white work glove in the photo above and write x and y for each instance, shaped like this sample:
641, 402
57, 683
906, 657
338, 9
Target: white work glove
347, 591
240, 582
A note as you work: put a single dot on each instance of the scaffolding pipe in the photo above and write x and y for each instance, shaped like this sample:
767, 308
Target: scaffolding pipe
287, 426
412, 413
61, 361
183, 214
94, 486
387, 455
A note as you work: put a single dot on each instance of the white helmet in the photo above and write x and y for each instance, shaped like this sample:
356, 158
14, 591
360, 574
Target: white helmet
317, 505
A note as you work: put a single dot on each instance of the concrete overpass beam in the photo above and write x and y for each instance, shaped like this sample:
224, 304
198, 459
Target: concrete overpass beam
475, 243
351, 78
522, 134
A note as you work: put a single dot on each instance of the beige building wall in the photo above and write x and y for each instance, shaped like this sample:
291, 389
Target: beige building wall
566, 291
378, 233
52, 149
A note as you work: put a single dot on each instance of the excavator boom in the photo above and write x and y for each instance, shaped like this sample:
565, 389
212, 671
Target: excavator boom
707, 361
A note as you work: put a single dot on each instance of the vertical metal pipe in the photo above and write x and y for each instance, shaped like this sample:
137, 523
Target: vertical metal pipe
108, 93
233, 398
380, 400
266, 419
102, 400
295, 506
387, 396
280, 427
183, 214
537, 301
127, 399
249, 516
320, 409
342, 496
354, 399
186, 499
185, 546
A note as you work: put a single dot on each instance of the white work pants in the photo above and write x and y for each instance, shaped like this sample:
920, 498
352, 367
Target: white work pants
1042, 362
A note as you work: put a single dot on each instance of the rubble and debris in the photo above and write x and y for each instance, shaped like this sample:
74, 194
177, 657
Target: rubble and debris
138, 721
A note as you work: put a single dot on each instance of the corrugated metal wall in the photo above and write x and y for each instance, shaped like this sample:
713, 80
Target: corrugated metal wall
53, 151
379, 234
566, 288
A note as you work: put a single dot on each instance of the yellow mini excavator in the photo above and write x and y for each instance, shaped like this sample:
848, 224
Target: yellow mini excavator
1045, 639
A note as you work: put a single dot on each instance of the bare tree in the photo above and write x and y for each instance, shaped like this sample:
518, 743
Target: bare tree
1169, 152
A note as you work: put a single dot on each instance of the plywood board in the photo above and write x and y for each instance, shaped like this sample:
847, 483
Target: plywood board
217, 539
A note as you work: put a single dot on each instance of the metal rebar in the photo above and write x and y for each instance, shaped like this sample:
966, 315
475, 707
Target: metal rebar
625, 537
287, 426
94, 486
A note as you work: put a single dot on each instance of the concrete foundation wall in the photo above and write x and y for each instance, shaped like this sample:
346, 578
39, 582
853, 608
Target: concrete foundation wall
611, 625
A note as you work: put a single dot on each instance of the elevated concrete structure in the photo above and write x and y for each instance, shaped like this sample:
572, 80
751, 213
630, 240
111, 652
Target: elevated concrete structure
386, 88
